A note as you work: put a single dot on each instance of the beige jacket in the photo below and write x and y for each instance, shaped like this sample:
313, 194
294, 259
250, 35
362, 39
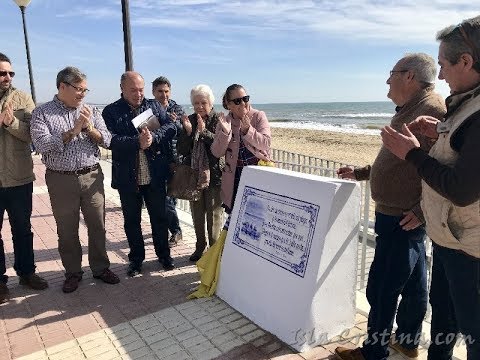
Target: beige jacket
448, 225
16, 166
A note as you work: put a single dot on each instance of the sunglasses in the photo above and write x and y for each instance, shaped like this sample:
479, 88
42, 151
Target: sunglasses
4, 73
237, 101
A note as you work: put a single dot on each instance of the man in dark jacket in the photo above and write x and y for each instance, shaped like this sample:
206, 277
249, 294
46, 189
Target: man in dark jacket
140, 168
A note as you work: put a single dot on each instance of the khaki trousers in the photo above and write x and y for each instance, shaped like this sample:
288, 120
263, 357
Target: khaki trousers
68, 195
210, 207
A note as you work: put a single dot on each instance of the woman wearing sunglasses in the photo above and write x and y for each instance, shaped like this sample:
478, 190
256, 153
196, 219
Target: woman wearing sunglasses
243, 136
194, 145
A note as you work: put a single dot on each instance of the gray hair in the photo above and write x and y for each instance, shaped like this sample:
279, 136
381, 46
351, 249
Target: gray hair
203, 90
463, 38
422, 65
70, 75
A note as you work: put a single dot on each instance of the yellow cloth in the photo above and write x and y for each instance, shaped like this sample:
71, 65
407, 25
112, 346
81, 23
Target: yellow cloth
209, 264
209, 268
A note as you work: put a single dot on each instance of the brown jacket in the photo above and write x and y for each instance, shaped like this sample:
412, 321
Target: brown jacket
395, 183
16, 166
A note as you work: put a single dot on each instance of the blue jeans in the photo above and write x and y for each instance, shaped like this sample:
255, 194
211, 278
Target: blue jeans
455, 300
154, 198
172, 217
17, 201
398, 268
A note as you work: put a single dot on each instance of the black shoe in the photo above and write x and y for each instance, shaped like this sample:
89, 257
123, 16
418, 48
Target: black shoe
167, 263
196, 256
4, 293
134, 269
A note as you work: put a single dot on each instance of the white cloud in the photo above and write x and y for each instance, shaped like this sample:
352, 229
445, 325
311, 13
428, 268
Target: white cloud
409, 21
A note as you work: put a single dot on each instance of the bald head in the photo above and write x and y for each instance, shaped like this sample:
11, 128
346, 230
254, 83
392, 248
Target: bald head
132, 86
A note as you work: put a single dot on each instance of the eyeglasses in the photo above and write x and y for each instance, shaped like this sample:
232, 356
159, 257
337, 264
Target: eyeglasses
79, 89
237, 101
397, 71
4, 73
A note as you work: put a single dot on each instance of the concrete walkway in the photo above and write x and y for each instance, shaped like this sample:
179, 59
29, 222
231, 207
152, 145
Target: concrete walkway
146, 317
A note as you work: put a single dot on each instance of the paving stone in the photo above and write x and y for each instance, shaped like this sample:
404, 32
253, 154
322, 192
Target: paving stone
208, 354
253, 335
246, 329
187, 334
156, 337
61, 347
167, 350
163, 344
127, 348
230, 318
181, 328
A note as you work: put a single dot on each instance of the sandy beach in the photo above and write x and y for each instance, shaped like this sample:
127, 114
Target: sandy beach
349, 148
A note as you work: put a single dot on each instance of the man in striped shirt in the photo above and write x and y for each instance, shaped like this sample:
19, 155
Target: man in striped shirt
67, 133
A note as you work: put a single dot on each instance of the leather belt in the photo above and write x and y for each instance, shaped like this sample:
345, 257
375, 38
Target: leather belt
81, 171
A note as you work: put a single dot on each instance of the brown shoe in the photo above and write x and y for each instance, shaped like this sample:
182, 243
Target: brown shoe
107, 276
344, 353
404, 352
4, 293
71, 283
33, 281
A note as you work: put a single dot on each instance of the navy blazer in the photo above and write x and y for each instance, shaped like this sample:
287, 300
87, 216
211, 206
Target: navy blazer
125, 144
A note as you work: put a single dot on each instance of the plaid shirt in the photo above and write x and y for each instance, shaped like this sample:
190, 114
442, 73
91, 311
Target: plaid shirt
53, 118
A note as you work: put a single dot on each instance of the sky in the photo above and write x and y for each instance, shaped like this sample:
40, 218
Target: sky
280, 50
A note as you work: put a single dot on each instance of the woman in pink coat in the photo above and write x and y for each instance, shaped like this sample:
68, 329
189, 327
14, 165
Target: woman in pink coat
243, 136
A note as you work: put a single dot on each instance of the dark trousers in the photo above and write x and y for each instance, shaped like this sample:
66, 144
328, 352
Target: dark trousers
17, 201
70, 194
398, 268
455, 300
172, 217
154, 199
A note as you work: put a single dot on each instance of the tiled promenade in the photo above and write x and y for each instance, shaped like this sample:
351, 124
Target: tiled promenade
146, 317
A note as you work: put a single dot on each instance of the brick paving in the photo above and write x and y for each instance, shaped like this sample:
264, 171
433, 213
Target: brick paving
146, 317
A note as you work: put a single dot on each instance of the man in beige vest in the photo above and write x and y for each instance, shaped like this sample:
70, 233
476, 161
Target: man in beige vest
16, 179
450, 175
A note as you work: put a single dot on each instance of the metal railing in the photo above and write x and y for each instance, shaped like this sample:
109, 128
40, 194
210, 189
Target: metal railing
322, 167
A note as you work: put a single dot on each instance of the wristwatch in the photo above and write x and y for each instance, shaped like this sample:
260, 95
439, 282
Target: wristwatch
89, 127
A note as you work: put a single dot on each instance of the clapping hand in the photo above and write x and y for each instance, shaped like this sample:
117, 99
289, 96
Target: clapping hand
6, 116
187, 125
425, 125
83, 120
225, 125
245, 124
145, 138
200, 124
399, 143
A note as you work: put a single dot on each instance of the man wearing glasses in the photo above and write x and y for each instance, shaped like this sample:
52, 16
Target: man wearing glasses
399, 264
67, 133
450, 175
16, 179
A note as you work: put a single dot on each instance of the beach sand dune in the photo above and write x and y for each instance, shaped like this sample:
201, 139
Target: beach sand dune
348, 148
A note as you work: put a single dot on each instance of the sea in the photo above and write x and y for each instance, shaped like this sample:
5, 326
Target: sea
351, 117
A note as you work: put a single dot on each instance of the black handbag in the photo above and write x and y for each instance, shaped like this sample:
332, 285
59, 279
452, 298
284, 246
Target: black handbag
183, 183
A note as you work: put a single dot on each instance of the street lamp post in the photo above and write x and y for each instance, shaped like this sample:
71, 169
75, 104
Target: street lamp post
22, 4
127, 42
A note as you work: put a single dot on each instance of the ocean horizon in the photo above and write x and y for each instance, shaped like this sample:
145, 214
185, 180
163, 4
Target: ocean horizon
351, 117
